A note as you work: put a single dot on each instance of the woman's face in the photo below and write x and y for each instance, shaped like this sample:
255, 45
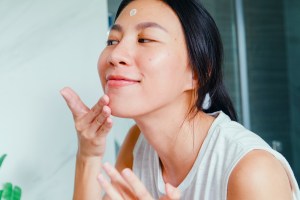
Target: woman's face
145, 67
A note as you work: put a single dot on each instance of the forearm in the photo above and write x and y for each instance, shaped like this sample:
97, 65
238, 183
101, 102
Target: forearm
86, 185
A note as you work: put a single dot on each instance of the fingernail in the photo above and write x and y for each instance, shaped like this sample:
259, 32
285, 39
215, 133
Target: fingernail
106, 163
107, 166
105, 99
170, 189
105, 109
108, 124
126, 172
109, 120
65, 94
101, 178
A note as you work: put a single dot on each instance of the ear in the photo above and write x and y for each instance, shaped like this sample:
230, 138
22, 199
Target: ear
191, 82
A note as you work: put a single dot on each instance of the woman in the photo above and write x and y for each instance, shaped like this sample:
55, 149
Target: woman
163, 57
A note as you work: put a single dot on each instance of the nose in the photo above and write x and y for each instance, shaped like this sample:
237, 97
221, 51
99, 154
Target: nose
119, 56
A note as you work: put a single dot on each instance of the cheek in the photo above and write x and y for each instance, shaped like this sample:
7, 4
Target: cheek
153, 60
163, 65
101, 66
167, 73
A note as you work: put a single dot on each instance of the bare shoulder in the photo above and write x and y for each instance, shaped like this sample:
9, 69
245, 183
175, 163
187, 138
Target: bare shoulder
125, 156
259, 175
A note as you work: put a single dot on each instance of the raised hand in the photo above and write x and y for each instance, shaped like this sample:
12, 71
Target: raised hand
92, 125
126, 185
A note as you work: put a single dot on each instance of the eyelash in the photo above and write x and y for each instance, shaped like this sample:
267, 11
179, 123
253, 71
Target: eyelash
148, 40
111, 42
141, 40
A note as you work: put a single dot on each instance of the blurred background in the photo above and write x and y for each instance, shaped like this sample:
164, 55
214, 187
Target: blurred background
47, 45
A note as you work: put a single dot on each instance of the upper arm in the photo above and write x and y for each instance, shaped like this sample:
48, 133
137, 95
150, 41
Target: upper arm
125, 156
259, 175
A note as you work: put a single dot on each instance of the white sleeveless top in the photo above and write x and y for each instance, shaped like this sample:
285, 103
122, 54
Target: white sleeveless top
224, 146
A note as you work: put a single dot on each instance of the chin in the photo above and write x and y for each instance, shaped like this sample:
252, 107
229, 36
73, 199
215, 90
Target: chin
127, 106
122, 109
123, 113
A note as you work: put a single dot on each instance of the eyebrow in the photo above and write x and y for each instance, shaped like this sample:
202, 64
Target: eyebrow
141, 26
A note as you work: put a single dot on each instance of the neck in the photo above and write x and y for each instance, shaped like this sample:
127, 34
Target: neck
176, 138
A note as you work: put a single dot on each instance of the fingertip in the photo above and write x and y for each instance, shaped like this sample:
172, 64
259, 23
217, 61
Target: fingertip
66, 89
126, 172
77, 107
100, 176
101, 179
105, 99
107, 166
107, 110
169, 188
172, 192
66, 92
63, 91
109, 122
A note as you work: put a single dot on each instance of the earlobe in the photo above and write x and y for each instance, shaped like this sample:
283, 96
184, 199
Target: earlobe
192, 81
194, 76
195, 81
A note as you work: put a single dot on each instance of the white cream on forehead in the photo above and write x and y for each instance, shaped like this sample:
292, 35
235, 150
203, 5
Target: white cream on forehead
133, 12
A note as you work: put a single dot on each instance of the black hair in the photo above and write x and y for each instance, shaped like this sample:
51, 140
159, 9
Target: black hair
205, 50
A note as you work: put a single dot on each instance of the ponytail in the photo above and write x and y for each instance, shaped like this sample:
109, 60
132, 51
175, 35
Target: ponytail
220, 100
205, 50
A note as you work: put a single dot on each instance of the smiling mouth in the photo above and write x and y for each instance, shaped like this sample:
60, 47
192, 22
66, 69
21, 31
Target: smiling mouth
119, 81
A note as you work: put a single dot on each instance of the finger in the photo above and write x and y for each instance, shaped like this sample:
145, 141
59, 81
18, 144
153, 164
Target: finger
89, 120
104, 129
77, 107
116, 178
102, 132
104, 100
113, 174
136, 185
111, 192
172, 192
100, 119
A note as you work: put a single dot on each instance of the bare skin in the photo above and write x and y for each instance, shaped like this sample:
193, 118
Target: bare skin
145, 52
92, 127
125, 156
259, 175
145, 49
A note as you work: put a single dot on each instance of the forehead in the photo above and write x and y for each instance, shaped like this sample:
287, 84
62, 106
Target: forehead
151, 11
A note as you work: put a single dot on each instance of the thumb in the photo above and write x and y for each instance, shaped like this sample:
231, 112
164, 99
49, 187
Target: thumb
77, 107
172, 192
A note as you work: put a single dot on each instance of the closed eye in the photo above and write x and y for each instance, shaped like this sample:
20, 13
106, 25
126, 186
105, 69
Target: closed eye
112, 42
142, 40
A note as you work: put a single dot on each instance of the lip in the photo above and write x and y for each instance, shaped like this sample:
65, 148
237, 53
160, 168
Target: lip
120, 81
